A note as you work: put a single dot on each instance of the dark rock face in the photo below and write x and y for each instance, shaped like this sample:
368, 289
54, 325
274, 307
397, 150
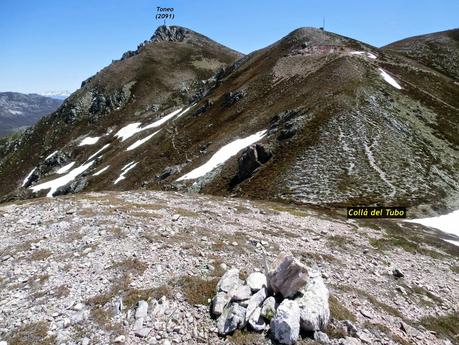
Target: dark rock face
233, 97
251, 159
286, 124
204, 108
94, 103
170, 33
74, 187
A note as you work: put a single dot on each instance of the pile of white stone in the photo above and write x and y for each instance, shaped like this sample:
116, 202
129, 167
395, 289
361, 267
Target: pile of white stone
285, 300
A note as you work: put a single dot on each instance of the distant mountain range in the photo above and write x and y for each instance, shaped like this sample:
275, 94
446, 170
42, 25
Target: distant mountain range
63, 94
19, 111
314, 118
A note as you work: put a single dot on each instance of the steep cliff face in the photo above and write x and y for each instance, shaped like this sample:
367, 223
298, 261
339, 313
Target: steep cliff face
313, 118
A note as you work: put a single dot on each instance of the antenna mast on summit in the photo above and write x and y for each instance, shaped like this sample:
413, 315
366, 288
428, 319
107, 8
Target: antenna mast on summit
323, 23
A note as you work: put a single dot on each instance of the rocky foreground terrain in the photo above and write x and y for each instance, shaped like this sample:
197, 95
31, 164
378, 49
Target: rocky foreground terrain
75, 270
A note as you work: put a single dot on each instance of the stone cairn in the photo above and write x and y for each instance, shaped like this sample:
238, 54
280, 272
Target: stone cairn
285, 300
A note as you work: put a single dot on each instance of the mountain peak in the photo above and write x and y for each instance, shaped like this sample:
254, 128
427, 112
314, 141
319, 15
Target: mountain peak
165, 33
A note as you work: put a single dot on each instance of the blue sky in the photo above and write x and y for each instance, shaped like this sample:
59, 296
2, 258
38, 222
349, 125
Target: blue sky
55, 44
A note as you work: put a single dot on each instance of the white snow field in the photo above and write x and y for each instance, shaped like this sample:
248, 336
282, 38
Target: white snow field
362, 53
222, 155
53, 185
65, 168
89, 141
27, 177
97, 173
448, 223
98, 151
389, 79
140, 142
133, 128
124, 171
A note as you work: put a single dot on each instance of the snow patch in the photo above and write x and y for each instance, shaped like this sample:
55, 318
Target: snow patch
222, 155
163, 119
128, 131
183, 112
389, 79
98, 151
53, 185
133, 128
362, 53
140, 142
89, 141
27, 177
65, 168
124, 171
51, 155
101, 171
448, 223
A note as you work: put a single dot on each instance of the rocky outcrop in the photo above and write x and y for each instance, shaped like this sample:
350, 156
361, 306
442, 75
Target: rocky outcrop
301, 306
166, 33
250, 160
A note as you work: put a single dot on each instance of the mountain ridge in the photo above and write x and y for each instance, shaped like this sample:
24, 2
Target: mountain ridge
318, 96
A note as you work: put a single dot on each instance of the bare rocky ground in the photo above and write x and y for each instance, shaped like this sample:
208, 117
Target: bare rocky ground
68, 262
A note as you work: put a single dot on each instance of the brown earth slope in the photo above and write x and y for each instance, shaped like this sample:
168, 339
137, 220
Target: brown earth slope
439, 50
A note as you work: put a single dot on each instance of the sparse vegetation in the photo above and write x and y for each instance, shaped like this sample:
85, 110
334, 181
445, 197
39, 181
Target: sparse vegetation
40, 254
31, 334
337, 241
446, 325
338, 311
246, 338
197, 290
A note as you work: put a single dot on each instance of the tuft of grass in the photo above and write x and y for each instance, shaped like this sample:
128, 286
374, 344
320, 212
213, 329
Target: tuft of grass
455, 269
446, 325
131, 266
337, 241
40, 254
386, 331
132, 296
373, 300
338, 311
31, 334
246, 338
197, 290
62, 291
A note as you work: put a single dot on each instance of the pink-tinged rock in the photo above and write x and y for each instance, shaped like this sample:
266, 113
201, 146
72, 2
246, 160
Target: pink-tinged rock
288, 276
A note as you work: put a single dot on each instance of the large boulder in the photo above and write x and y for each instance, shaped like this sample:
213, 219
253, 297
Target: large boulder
229, 281
313, 303
255, 301
285, 326
256, 281
219, 302
288, 276
232, 318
